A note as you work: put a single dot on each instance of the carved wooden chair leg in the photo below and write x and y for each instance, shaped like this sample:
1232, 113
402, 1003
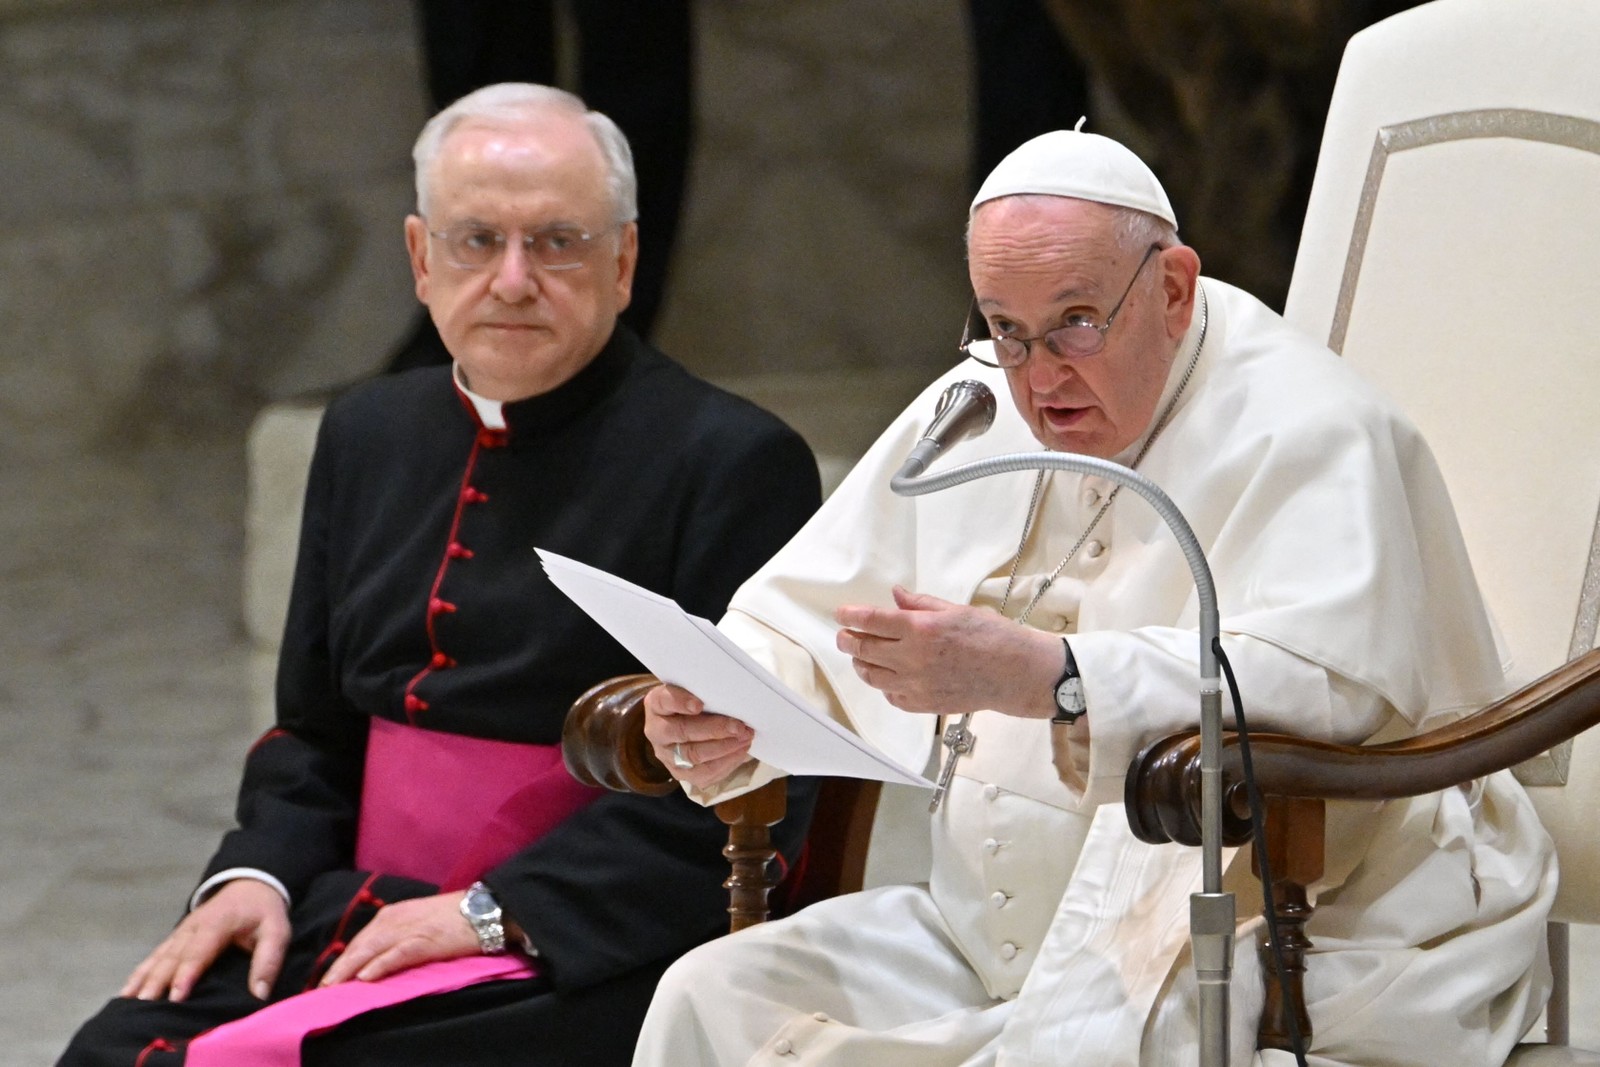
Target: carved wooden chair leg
1558, 1011
750, 851
1294, 850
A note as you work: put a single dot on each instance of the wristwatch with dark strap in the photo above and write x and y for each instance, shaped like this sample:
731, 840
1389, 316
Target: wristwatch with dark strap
482, 910
1068, 693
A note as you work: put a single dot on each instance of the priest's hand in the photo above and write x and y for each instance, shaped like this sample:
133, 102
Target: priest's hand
682, 731
245, 913
929, 655
407, 933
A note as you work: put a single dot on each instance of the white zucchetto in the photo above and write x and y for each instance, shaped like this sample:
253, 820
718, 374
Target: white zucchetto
1082, 165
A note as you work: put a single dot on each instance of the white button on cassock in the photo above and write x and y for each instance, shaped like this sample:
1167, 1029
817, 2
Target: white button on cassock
991, 791
1094, 549
1008, 951
783, 1047
991, 846
998, 899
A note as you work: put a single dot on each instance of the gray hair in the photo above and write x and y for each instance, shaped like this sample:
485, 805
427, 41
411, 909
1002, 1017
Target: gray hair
1133, 230
511, 101
1137, 230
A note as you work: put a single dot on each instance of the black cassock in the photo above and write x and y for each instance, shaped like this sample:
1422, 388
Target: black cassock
633, 466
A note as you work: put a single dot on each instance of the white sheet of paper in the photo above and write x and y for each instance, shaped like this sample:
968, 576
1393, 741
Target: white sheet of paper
691, 652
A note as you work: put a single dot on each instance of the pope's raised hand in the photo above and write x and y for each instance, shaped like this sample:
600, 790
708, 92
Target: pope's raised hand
698, 746
927, 654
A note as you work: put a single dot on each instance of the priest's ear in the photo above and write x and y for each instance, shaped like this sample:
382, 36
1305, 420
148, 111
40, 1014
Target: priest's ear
417, 251
627, 259
1179, 271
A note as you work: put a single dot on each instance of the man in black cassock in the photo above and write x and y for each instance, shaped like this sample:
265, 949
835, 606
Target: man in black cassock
419, 610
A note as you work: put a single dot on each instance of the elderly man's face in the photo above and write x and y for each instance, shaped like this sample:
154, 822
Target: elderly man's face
1036, 262
515, 328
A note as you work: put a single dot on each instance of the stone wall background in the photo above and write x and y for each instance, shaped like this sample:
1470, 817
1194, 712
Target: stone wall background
826, 208
204, 201
202, 209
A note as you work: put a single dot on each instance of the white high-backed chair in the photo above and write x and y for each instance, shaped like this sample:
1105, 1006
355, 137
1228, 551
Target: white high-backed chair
1448, 251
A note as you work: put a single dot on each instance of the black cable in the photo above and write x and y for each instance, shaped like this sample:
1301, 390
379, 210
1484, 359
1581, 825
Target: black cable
1258, 832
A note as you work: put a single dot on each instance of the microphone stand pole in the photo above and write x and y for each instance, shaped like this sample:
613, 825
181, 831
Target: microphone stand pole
1211, 911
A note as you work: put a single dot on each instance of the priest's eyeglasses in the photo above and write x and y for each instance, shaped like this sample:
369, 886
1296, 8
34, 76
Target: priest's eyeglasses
474, 246
1080, 337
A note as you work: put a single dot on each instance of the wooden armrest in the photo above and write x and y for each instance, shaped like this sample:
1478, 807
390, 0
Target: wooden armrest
603, 742
1296, 775
1162, 790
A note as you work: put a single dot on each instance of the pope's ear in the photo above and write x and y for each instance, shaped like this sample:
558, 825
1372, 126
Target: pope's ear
1180, 274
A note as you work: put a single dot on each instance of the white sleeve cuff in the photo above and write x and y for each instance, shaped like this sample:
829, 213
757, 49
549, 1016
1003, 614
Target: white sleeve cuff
218, 880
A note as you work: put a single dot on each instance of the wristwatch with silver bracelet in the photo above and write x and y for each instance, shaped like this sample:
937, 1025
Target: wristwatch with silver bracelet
480, 908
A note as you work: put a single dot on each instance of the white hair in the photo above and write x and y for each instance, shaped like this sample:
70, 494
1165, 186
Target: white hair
511, 101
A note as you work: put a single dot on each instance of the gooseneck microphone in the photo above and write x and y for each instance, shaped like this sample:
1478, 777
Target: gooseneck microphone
965, 409
1211, 911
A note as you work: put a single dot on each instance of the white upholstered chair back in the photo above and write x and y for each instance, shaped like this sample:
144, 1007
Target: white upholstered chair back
1449, 251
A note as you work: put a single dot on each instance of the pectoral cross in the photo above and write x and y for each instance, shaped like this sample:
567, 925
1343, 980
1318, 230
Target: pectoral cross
959, 740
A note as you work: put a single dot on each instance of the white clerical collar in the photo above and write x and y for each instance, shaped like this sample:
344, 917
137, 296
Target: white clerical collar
490, 412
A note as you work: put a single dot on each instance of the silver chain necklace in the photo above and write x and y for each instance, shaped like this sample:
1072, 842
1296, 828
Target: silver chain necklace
958, 736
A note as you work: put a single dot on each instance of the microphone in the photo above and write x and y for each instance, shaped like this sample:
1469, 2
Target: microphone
965, 409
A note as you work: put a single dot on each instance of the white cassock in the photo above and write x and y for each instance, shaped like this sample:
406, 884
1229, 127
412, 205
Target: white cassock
1049, 935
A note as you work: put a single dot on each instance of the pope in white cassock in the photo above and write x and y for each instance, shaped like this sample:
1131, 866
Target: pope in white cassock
1048, 934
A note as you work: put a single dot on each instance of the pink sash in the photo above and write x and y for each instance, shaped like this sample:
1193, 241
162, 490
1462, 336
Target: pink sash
421, 788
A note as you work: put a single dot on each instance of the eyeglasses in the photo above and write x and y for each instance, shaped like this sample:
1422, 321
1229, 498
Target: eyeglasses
1077, 339
474, 246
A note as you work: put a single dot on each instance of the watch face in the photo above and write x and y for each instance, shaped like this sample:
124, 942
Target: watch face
481, 903
1069, 697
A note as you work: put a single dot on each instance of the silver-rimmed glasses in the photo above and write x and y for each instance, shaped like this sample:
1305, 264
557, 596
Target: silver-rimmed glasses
474, 246
1078, 338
